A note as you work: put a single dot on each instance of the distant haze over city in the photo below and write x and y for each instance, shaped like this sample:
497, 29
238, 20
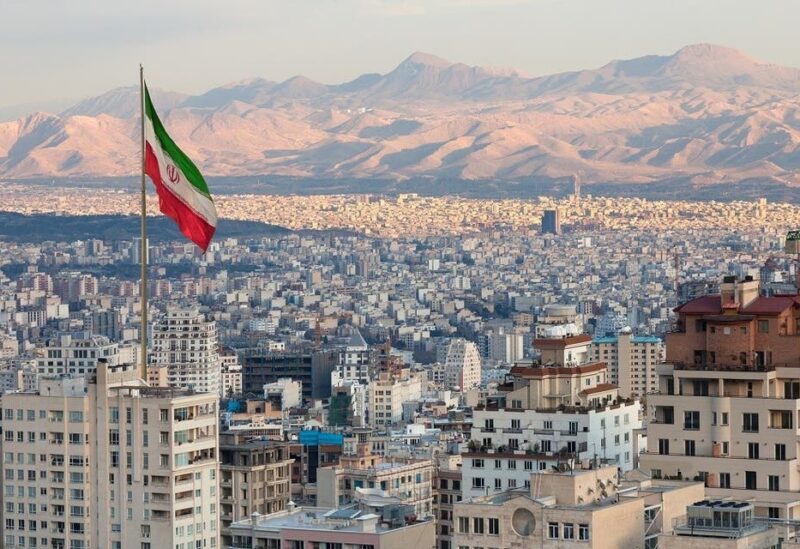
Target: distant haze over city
707, 113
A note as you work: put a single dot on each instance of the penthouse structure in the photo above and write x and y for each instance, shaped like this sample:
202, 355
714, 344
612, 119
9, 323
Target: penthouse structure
107, 461
728, 405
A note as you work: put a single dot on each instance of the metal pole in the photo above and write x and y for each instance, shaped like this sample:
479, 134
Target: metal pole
143, 244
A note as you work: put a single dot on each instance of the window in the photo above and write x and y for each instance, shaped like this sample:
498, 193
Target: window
689, 447
583, 532
552, 530
494, 527
724, 480
569, 530
774, 512
663, 446
774, 483
763, 326
750, 482
724, 418
477, 482
750, 422
691, 420
463, 525
780, 452
477, 463
752, 450
498, 484
477, 525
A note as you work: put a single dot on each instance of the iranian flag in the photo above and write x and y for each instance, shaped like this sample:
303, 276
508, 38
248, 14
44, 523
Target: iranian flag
182, 192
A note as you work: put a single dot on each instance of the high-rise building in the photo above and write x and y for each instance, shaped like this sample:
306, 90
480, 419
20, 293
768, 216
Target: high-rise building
462, 365
106, 461
728, 405
631, 361
551, 222
185, 343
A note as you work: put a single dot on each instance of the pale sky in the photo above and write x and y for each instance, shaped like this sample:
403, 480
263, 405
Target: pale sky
59, 49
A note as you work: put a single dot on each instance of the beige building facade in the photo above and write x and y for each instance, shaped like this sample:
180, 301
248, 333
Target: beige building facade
108, 462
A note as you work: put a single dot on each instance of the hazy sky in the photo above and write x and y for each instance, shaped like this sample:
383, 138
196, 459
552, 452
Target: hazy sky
57, 49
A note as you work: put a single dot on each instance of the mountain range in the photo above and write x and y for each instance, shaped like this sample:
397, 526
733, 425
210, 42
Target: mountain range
706, 112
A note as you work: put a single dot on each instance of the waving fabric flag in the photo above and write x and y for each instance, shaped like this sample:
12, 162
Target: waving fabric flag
182, 192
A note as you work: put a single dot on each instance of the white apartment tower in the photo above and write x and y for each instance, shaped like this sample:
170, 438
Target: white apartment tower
462, 366
186, 344
107, 462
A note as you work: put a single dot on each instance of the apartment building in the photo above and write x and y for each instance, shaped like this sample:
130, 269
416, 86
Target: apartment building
462, 364
577, 508
410, 481
255, 477
185, 343
387, 393
448, 493
631, 361
728, 405
75, 354
354, 362
230, 373
107, 461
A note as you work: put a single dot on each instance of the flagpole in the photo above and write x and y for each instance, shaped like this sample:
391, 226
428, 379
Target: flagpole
143, 249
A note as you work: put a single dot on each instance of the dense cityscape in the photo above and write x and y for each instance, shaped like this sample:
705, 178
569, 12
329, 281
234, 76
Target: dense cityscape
404, 371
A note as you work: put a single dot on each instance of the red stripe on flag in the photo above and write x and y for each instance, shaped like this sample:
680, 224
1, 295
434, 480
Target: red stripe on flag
194, 227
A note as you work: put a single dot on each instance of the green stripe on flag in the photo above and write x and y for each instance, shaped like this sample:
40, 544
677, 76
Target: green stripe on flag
182, 162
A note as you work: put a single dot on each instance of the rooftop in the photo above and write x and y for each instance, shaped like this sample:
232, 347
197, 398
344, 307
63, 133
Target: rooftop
343, 519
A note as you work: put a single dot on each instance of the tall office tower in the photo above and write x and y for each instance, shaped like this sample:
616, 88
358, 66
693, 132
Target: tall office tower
185, 343
631, 361
551, 222
729, 401
108, 462
462, 365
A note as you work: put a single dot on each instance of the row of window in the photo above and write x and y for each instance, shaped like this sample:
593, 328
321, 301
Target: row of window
479, 525
566, 530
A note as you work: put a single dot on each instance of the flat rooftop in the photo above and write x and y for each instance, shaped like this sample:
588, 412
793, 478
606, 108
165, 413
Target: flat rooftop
343, 519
